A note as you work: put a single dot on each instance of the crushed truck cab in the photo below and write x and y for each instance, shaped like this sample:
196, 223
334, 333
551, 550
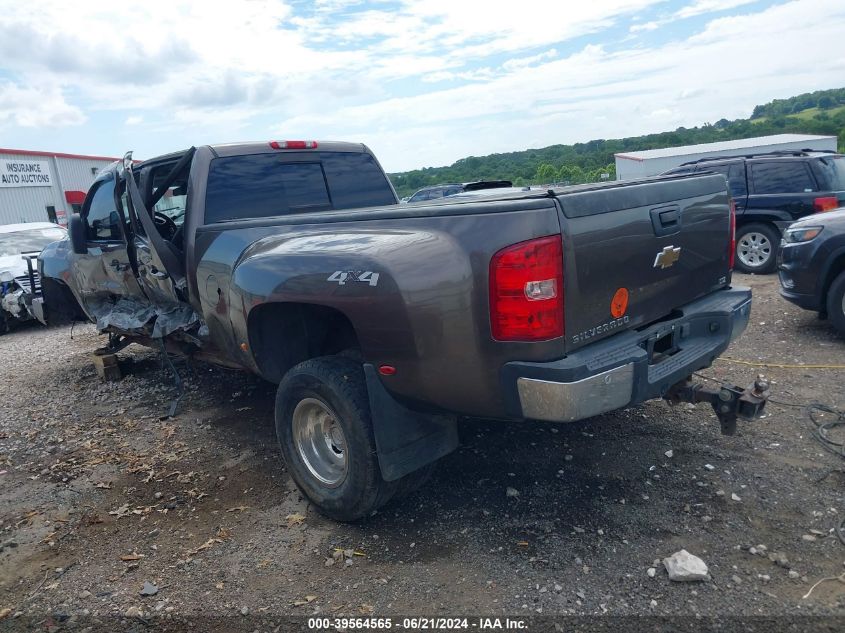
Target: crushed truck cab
383, 323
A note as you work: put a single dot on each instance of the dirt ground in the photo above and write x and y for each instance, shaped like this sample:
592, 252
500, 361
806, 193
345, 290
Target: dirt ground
98, 496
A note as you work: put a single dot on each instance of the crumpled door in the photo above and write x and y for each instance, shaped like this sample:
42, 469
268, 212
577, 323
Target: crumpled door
160, 265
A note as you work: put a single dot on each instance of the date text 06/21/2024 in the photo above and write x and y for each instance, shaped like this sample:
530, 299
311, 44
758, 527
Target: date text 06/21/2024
416, 623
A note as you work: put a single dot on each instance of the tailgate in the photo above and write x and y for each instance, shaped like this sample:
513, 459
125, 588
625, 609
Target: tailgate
634, 252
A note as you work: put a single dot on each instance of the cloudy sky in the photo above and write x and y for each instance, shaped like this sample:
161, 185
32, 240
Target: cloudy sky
423, 82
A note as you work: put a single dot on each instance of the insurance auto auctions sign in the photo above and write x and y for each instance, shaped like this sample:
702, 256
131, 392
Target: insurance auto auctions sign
24, 173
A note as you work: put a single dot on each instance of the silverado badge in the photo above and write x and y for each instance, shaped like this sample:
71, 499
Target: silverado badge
667, 257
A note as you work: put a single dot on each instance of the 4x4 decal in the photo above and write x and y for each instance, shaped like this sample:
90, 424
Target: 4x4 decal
365, 276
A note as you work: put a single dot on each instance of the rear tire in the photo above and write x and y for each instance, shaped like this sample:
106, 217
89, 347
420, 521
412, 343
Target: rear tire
326, 435
756, 248
836, 303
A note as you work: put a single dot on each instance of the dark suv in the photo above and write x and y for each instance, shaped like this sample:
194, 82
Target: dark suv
771, 191
811, 266
450, 189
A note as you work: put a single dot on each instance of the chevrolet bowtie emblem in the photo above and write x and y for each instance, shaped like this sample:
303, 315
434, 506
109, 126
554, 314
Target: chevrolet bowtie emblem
667, 257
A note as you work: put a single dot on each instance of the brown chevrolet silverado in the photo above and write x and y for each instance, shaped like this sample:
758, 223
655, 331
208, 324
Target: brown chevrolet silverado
384, 323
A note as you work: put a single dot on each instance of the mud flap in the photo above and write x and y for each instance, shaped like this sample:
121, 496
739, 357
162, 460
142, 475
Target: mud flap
406, 440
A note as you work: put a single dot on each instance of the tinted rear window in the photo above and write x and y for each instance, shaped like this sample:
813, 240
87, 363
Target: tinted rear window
734, 173
264, 185
782, 177
355, 180
833, 172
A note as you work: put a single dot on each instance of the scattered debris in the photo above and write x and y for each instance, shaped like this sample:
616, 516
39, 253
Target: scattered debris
209, 543
670, 453
511, 492
294, 519
735, 497
149, 589
122, 511
685, 567
840, 578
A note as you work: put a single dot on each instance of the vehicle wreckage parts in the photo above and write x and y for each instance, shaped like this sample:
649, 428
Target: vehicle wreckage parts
728, 401
16, 295
347, 460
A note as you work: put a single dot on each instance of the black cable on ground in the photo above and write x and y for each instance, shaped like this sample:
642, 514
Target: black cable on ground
821, 428
820, 433
177, 380
814, 410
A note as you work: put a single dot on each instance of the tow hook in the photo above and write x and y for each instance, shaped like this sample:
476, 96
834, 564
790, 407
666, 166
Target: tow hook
728, 401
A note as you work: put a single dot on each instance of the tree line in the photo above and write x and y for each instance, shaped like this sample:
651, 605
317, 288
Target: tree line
593, 161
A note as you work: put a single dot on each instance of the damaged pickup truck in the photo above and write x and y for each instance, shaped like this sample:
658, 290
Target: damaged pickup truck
382, 323
19, 283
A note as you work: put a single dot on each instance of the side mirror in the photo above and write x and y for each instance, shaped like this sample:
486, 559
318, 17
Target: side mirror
76, 231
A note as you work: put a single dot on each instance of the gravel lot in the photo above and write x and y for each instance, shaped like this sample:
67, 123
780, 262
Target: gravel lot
98, 496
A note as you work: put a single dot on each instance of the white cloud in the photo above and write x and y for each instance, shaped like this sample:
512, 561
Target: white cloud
426, 82
634, 91
709, 6
645, 26
698, 7
30, 107
524, 62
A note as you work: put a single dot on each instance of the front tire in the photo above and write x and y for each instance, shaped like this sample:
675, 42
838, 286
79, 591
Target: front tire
325, 432
756, 248
836, 303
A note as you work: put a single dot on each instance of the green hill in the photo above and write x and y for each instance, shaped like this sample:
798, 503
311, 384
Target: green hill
820, 112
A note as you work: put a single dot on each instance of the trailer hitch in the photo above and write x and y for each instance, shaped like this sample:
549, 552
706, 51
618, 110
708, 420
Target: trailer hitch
728, 401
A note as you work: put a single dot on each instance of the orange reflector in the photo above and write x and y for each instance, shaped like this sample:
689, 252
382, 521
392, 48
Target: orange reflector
619, 303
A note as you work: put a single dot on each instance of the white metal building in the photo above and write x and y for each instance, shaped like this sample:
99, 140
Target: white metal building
655, 161
44, 186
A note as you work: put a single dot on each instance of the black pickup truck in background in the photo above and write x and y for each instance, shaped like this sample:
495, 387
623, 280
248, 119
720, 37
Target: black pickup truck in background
384, 323
770, 192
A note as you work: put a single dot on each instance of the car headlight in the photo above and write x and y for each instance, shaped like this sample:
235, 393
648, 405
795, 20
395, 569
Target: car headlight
801, 234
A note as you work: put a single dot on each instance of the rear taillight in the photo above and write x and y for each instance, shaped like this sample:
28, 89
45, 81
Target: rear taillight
526, 291
732, 241
293, 144
827, 203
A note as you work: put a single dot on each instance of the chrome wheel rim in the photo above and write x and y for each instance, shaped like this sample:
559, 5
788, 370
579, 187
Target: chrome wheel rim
320, 441
754, 249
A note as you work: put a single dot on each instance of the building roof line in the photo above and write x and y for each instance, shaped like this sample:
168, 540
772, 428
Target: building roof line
629, 157
32, 152
733, 145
